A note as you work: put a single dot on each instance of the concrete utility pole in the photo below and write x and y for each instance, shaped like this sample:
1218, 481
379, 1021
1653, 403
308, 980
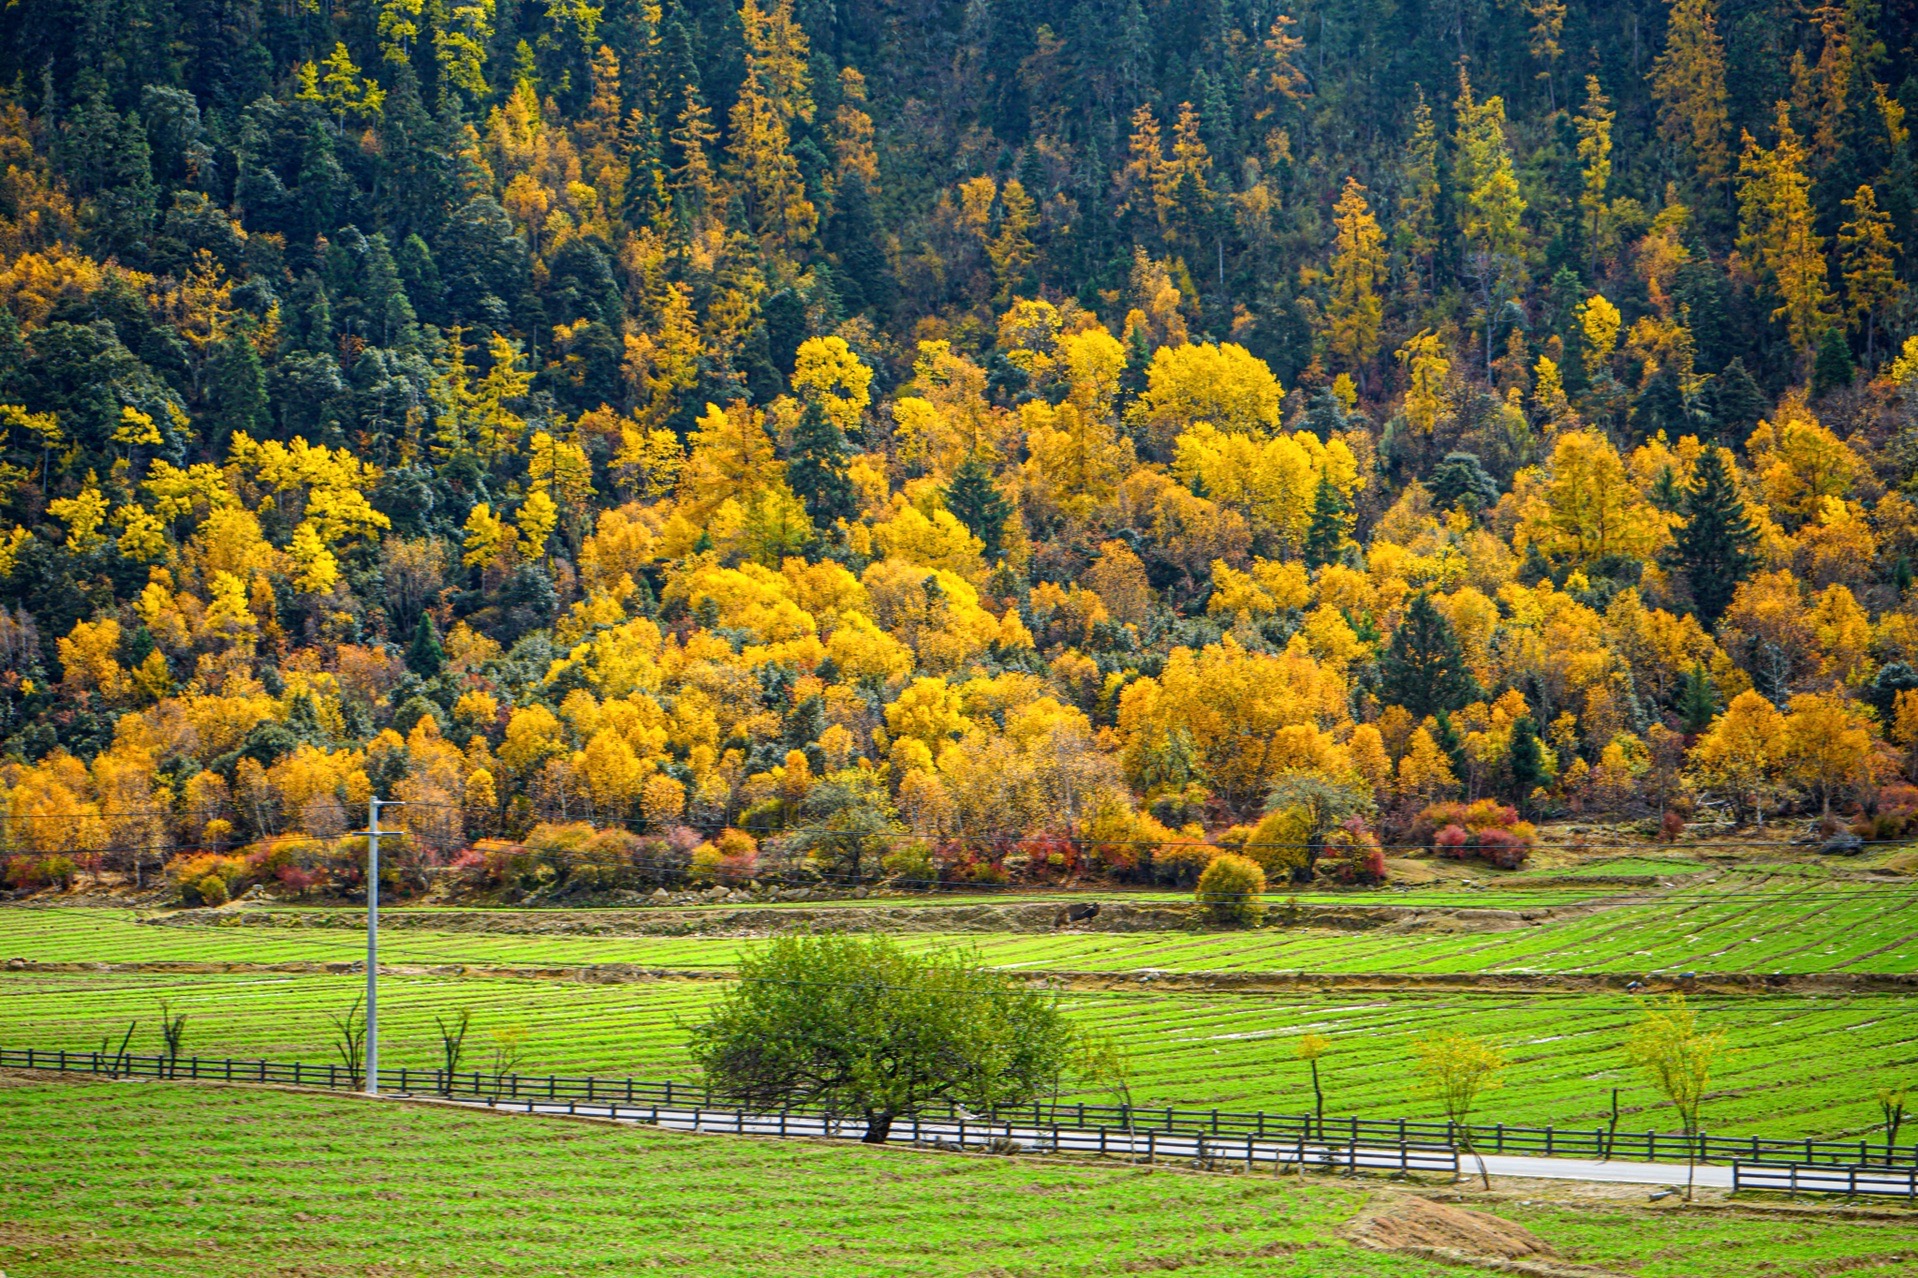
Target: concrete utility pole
373, 806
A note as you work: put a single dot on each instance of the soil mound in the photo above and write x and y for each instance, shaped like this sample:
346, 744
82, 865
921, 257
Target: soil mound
1439, 1231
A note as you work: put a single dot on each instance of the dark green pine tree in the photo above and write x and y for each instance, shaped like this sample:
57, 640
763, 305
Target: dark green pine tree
1331, 525
975, 502
1737, 403
817, 470
1526, 761
1714, 547
1697, 700
1833, 369
853, 237
1423, 669
424, 656
238, 389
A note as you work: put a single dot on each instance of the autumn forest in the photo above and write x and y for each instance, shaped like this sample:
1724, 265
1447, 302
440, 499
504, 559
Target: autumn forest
999, 442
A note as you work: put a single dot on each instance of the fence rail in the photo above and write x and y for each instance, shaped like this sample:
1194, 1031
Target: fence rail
1276, 1130
1899, 1182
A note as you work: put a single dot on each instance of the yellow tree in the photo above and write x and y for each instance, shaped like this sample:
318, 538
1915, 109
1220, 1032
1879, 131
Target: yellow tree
1688, 79
1867, 256
774, 94
1358, 262
461, 33
1777, 232
1590, 510
497, 427
1743, 754
1595, 160
1827, 747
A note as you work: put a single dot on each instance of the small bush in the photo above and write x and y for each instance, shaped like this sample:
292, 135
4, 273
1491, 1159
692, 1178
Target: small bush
1181, 861
1486, 829
1230, 889
32, 873
1352, 854
190, 876
730, 858
910, 865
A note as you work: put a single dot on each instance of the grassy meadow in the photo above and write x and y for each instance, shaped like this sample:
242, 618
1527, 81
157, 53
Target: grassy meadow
184, 1181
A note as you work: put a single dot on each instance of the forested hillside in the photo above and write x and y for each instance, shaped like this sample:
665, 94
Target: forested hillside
1002, 440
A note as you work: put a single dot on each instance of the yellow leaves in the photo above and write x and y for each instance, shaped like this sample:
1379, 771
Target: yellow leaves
1428, 369
1215, 716
732, 457
1225, 385
319, 571
1270, 479
88, 663
940, 541
181, 494
1358, 264
863, 653
750, 597
537, 517
142, 537
618, 660
32, 284
136, 429
83, 514
1589, 509
934, 612
532, 737
647, 462
826, 372
1598, 322
487, 537
228, 613
1743, 752
1075, 460
624, 541
1268, 588
928, 711
1799, 462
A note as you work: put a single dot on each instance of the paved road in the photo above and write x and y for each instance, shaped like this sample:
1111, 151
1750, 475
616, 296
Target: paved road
1158, 1145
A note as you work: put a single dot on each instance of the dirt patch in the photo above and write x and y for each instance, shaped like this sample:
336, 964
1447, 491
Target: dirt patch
1417, 1226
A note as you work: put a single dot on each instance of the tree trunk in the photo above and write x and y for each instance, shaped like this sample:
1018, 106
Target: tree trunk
878, 1127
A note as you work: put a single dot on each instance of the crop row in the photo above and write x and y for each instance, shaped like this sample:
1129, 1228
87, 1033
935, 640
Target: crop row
1741, 926
1799, 1066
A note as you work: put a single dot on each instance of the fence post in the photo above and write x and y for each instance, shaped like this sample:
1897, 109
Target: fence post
1151, 1139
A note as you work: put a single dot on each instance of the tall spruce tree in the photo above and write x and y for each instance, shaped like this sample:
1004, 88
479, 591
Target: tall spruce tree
975, 502
1424, 668
1714, 547
1526, 760
1331, 524
817, 471
425, 656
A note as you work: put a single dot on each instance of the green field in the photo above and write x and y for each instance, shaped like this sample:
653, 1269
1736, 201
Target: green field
205, 1182
1799, 1065
1777, 923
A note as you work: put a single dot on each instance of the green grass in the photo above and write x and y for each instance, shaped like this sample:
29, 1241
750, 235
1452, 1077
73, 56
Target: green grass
1798, 1065
184, 1181
1744, 923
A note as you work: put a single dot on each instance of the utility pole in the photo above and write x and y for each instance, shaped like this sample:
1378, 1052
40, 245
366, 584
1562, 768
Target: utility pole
373, 806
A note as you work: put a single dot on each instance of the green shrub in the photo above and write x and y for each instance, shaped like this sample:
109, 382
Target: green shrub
1230, 889
212, 890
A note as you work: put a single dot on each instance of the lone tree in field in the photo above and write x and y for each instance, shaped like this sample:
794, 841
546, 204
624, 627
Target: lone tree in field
1677, 1057
861, 1026
1310, 1049
1455, 1068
